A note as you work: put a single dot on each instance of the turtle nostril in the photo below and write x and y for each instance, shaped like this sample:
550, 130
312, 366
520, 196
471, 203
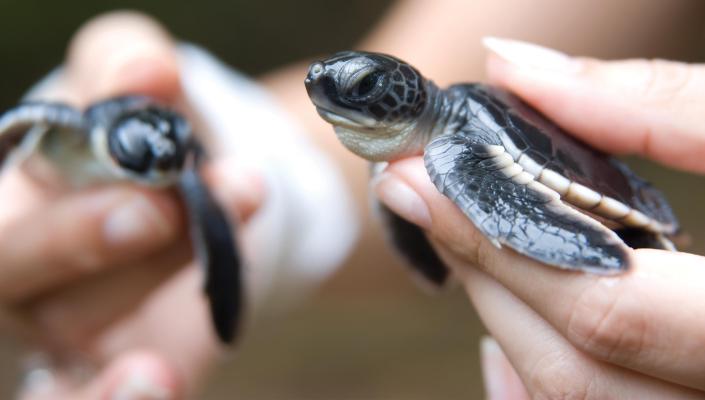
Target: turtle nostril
315, 71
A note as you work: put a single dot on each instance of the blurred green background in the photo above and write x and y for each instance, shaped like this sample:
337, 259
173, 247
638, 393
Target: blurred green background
368, 333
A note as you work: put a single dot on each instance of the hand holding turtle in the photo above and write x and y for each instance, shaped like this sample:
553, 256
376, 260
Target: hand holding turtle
92, 273
637, 335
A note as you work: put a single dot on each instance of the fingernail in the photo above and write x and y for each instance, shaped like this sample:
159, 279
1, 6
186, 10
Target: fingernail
240, 184
402, 199
492, 373
529, 55
39, 378
133, 220
139, 385
134, 71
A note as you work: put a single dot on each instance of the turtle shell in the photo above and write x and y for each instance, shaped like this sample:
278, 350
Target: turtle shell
584, 177
527, 184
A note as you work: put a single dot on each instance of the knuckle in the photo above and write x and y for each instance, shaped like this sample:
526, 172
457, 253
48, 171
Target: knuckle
61, 325
559, 376
608, 323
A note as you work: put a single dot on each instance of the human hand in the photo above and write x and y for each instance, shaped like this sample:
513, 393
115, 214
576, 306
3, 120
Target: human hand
569, 335
95, 277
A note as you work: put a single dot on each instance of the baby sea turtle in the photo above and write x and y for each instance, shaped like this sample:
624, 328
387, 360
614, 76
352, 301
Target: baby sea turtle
522, 180
132, 139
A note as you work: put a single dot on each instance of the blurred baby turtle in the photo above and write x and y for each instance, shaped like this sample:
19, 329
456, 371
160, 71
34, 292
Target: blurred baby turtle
522, 180
133, 139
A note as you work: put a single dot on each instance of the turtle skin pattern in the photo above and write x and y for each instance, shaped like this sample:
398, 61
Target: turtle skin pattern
528, 220
527, 217
512, 120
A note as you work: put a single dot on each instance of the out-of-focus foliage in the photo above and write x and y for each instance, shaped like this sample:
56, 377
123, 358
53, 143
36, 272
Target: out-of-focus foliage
254, 36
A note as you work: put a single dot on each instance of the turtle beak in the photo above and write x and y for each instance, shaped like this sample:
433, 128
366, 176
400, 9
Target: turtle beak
315, 84
315, 72
320, 88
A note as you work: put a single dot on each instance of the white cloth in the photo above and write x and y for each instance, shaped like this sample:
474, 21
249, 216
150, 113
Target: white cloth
308, 223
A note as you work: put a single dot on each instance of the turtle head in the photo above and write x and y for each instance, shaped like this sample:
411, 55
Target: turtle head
374, 101
149, 143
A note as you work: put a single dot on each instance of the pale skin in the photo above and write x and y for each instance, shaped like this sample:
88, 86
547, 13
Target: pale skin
55, 291
576, 335
76, 277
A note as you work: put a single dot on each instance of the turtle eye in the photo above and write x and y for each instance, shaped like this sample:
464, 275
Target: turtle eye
368, 85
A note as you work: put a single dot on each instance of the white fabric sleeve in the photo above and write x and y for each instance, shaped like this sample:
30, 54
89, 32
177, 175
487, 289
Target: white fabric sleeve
308, 223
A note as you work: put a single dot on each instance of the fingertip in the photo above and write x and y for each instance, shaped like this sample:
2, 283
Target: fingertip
500, 378
449, 224
123, 52
154, 75
103, 227
413, 172
498, 71
140, 216
404, 201
141, 375
238, 186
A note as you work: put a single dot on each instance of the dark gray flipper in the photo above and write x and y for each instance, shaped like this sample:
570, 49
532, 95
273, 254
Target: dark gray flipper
650, 201
23, 126
641, 239
413, 245
217, 253
526, 217
506, 115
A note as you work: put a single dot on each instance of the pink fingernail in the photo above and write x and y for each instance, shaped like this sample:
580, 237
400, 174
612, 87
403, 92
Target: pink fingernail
529, 55
133, 220
239, 181
139, 385
402, 199
492, 372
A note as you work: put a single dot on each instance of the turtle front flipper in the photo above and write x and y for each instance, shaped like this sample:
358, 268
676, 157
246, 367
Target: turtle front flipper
216, 250
23, 127
415, 247
513, 209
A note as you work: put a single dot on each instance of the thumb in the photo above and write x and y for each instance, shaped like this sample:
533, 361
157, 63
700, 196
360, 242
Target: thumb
648, 107
123, 52
134, 376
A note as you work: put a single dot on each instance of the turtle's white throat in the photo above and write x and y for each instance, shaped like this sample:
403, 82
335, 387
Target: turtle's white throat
381, 143
378, 142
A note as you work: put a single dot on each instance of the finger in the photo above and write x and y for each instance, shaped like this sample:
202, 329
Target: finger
547, 364
98, 229
501, 380
180, 305
648, 107
136, 375
240, 190
123, 53
70, 315
71, 318
629, 319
